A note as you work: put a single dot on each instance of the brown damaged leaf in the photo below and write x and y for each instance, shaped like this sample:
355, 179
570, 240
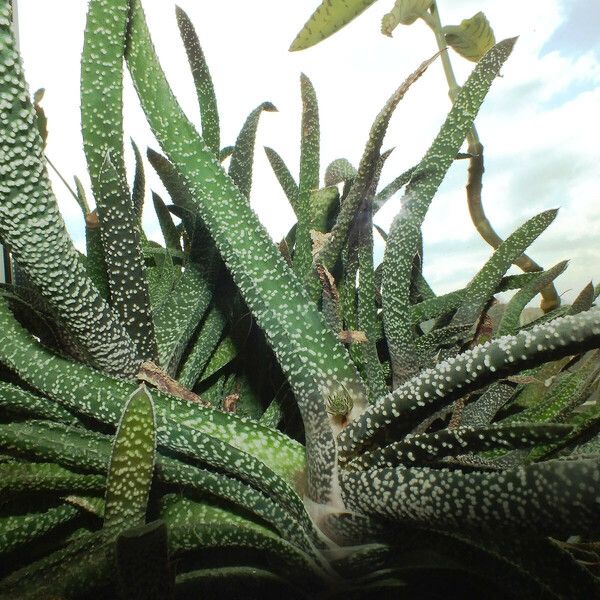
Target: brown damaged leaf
352, 337
153, 374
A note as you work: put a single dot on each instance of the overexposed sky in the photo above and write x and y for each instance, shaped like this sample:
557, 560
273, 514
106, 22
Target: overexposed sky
539, 124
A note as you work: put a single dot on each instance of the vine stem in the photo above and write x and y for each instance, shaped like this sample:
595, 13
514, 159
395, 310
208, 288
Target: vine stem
550, 297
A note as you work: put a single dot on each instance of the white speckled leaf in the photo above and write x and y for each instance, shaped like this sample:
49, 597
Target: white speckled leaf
131, 463
405, 231
31, 224
312, 358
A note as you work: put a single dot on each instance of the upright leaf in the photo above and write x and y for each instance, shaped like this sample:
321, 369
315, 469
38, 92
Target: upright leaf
209, 114
128, 286
131, 463
38, 237
285, 178
310, 149
366, 170
482, 286
405, 231
309, 354
240, 167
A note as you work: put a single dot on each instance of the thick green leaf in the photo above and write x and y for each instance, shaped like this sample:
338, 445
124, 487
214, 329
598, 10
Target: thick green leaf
366, 170
339, 171
131, 463
329, 17
482, 286
405, 232
19, 530
441, 305
205, 91
242, 158
469, 371
285, 178
167, 226
310, 152
30, 478
119, 231
202, 348
563, 500
309, 354
139, 184
430, 447
89, 451
22, 402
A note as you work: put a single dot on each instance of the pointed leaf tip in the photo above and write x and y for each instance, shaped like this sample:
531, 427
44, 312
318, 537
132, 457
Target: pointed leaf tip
327, 19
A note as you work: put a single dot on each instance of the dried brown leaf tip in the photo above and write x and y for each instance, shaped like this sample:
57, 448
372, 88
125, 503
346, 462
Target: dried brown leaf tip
319, 239
91, 220
328, 283
230, 403
352, 337
154, 375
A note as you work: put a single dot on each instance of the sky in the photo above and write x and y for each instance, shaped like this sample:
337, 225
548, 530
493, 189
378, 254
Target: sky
539, 124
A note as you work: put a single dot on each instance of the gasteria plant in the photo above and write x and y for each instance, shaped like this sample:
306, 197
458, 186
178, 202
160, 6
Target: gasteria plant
351, 462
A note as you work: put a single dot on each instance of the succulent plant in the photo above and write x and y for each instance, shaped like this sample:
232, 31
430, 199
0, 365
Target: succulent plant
223, 415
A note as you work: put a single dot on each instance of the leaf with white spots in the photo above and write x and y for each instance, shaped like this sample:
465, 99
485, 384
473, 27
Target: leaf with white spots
455, 377
310, 162
423, 448
167, 226
392, 188
17, 531
202, 348
262, 456
310, 355
209, 114
553, 498
366, 170
447, 303
131, 463
19, 401
90, 452
285, 178
405, 231
31, 224
340, 171
201, 526
242, 158
120, 235
509, 323
139, 183
483, 285
30, 478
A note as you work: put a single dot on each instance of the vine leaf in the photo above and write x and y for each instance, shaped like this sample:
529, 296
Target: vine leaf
329, 17
404, 12
472, 38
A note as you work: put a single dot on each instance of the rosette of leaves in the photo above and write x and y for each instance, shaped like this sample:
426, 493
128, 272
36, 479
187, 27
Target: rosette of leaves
353, 436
